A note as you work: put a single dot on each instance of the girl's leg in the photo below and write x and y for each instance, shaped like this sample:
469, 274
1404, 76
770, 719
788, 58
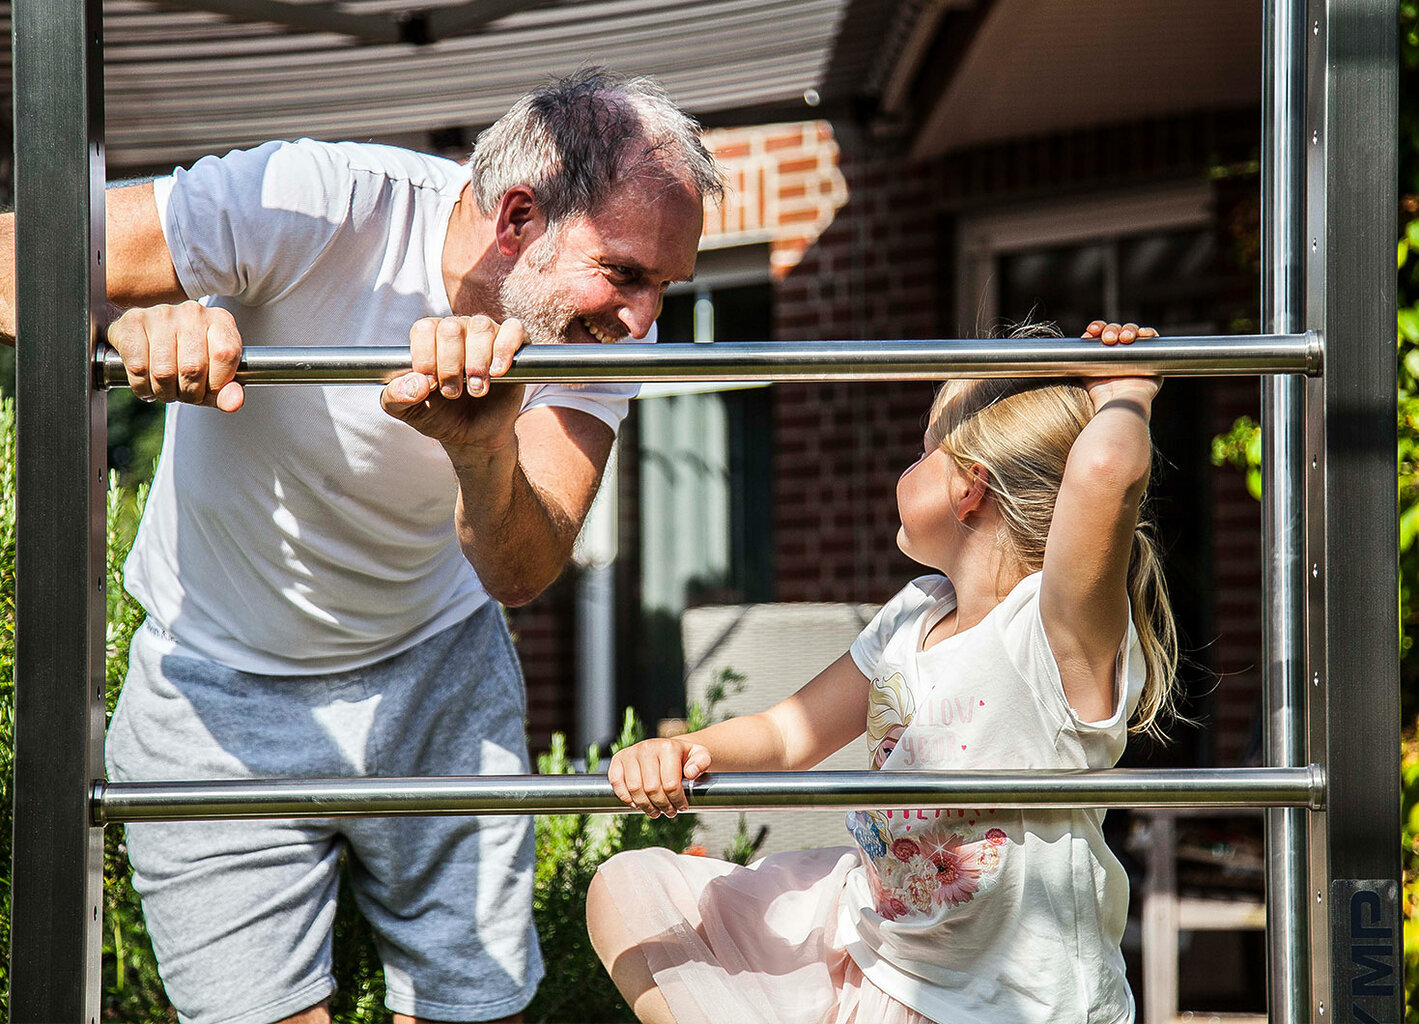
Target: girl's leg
623, 959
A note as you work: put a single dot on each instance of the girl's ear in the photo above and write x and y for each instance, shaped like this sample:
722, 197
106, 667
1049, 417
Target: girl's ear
971, 501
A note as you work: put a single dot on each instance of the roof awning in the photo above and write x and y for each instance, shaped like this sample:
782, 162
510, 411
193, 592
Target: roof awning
187, 78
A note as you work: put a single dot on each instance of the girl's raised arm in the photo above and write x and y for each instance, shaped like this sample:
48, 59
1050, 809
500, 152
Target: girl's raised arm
1084, 592
826, 714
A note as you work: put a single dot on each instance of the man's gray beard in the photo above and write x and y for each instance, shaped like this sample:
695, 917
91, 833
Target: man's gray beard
523, 295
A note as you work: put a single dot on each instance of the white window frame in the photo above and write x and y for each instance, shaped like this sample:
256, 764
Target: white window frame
986, 236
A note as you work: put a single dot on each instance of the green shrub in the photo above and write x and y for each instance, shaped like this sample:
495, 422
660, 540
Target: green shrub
132, 991
7, 681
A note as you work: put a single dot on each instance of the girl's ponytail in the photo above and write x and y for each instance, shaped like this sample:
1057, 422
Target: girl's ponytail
1157, 634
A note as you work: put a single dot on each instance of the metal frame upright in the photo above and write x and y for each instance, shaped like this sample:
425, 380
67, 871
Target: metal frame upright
57, 879
1329, 118
1351, 560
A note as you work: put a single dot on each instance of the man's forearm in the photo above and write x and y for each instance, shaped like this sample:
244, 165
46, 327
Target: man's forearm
516, 537
8, 319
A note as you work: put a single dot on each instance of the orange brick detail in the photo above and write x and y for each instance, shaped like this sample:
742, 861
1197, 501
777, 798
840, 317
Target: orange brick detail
778, 143
798, 166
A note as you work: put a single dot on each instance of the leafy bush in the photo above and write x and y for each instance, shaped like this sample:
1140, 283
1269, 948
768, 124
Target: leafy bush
133, 993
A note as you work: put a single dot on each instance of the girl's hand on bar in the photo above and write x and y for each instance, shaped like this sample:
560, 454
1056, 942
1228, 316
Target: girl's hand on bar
1117, 334
649, 774
186, 352
1105, 389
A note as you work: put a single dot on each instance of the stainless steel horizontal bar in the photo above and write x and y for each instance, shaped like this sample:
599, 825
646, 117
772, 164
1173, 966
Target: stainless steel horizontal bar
591, 794
1203, 356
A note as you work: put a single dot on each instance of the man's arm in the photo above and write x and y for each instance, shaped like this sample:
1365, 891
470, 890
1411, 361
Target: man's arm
186, 352
521, 506
525, 479
138, 267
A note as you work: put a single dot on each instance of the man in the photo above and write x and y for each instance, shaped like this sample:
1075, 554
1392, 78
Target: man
317, 563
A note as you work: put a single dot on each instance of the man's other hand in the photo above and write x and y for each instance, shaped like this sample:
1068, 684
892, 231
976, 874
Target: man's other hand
186, 352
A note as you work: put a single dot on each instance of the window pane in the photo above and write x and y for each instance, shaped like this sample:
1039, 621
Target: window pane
1065, 285
1169, 281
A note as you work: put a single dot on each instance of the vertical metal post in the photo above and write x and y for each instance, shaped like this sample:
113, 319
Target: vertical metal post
1283, 501
1353, 562
57, 873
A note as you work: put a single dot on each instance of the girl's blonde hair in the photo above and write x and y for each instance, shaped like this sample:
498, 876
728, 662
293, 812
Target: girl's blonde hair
1021, 431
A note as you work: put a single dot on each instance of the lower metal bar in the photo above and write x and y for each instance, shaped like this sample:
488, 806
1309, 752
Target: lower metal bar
1205, 356
591, 794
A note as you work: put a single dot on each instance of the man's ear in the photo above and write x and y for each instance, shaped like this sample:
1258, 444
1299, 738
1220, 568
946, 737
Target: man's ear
971, 501
520, 220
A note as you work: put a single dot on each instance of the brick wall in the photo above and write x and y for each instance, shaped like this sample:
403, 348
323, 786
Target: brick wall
544, 633
872, 274
783, 187
1236, 656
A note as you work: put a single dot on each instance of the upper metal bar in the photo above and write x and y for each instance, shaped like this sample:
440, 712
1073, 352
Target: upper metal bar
1204, 356
57, 872
1283, 212
591, 794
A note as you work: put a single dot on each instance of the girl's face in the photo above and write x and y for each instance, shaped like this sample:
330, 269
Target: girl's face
926, 502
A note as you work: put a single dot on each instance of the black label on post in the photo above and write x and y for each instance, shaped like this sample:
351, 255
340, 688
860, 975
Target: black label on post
1364, 950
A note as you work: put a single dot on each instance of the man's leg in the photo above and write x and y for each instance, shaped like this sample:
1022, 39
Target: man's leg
450, 898
239, 912
321, 1015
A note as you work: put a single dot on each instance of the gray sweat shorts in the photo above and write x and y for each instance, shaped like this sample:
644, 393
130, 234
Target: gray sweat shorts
240, 912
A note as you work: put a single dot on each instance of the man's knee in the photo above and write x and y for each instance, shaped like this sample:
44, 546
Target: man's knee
399, 1018
317, 1014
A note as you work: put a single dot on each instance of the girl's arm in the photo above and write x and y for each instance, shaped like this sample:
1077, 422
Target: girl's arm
829, 712
1084, 592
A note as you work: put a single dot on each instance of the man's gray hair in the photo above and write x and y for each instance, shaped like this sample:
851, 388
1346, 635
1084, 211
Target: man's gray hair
578, 139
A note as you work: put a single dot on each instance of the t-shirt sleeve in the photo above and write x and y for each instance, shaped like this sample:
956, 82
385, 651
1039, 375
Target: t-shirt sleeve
867, 649
607, 402
250, 224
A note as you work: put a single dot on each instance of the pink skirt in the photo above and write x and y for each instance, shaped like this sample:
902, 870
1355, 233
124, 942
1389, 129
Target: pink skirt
728, 944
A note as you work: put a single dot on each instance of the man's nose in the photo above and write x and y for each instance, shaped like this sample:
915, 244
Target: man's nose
641, 310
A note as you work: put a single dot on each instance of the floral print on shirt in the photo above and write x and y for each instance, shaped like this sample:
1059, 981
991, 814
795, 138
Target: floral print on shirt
933, 869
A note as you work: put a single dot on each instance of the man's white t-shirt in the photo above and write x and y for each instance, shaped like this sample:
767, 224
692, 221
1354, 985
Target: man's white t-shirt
986, 916
310, 532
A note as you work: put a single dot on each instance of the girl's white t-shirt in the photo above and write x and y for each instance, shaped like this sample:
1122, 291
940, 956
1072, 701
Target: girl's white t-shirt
310, 532
985, 916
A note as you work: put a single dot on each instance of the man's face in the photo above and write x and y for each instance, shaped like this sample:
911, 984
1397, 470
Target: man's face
601, 278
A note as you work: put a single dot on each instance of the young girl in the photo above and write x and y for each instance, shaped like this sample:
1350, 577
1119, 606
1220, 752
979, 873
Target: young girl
1046, 633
